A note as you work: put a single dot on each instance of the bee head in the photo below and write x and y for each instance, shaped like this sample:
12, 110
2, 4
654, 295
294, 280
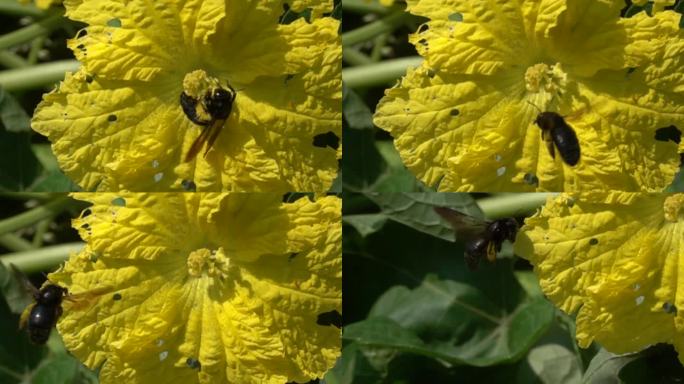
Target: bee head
218, 102
51, 294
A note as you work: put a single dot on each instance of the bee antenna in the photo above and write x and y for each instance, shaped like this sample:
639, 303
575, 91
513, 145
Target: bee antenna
530, 103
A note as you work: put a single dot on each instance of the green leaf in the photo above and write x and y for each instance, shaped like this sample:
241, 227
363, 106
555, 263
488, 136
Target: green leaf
455, 322
355, 111
363, 167
13, 291
353, 367
12, 115
396, 178
605, 367
17, 355
417, 210
366, 224
19, 167
555, 364
54, 181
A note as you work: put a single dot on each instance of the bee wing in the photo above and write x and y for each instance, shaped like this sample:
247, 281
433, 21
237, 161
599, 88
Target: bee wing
548, 140
25, 282
198, 144
215, 129
85, 299
464, 225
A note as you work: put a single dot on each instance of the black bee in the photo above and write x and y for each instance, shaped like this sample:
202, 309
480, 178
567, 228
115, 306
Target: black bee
41, 316
486, 237
557, 133
217, 104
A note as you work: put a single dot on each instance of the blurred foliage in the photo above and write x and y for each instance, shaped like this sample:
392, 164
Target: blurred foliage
29, 224
414, 312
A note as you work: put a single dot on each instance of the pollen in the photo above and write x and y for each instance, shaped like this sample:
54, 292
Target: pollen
197, 82
672, 207
213, 263
544, 78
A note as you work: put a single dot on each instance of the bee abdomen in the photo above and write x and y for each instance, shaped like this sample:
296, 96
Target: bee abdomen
566, 141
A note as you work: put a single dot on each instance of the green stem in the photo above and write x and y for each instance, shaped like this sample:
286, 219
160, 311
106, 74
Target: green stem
39, 28
363, 7
36, 46
41, 228
41, 196
36, 214
36, 76
378, 45
14, 8
353, 56
512, 204
369, 31
15, 243
43, 259
377, 73
12, 60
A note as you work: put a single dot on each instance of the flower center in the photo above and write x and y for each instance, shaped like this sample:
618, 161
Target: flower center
544, 78
672, 207
198, 82
214, 263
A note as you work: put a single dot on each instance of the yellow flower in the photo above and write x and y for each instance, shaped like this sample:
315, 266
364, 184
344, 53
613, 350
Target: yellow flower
612, 258
658, 5
118, 124
198, 287
464, 119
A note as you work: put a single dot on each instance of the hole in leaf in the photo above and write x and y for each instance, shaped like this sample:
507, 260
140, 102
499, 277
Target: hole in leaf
111, 118
423, 27
189, 185
456, 17
670, 133
333, 318
501, 171
288, 77
86, 212
93, 257
114, 23
116, 297
593, 241
570, 203
292, 256
640, 300
163, 355
454, 112
85, 226
119, 202
423, 42
81, 47
193, 363
328, 139
89, 79
158, 176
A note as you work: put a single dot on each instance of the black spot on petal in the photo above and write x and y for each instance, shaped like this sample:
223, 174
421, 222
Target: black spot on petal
116, 297
593, 241
189, 185
111, 118
193, 363
531, 179
670, 308
330, 318
119, 202
328, 139
670, 133
454, 112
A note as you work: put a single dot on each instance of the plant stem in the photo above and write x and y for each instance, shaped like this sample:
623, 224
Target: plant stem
36, 76
41, 228
36, 214
14, 8
42, 27
15, 243
512, 204
43, 259
36, 46
363, 7
369, 31
354, 57
378, 45
377, 73
12, 60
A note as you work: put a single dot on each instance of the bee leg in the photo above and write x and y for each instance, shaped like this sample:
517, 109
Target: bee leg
189, 106
491, 251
